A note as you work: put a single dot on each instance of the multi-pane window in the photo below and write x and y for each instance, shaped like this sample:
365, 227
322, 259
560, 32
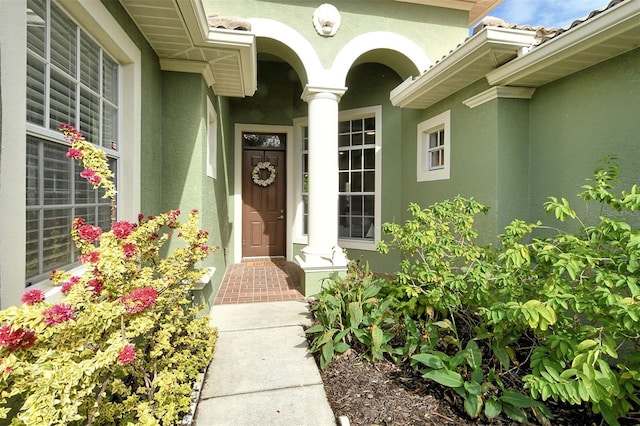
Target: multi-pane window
357, 180
305, 180
70, 80
434, 151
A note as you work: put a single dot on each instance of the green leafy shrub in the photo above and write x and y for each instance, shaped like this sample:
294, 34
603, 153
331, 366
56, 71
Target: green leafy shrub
350, 311
588, 280
554, 312
124, 346
445, 281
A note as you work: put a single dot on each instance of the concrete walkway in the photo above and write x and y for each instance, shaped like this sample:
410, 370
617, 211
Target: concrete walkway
262, 372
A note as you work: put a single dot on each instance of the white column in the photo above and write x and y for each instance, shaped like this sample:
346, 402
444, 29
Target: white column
322, 249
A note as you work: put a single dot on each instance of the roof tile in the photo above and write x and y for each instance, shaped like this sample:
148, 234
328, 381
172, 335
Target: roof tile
542, 34
228, 23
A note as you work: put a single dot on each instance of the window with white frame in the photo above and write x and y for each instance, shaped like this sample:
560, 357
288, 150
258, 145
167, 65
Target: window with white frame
434, 151
212, 142
70, 79
359, 177
305, 178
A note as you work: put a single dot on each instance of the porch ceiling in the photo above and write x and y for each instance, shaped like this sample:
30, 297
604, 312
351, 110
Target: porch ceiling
180, 34
477, 8
484, 52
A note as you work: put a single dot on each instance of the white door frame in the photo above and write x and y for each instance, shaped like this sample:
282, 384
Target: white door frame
237, 186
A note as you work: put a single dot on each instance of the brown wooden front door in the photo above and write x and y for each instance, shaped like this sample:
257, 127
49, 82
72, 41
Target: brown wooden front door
263, 202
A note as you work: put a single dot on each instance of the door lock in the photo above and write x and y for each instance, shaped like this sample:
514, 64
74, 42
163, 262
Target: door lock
281, 217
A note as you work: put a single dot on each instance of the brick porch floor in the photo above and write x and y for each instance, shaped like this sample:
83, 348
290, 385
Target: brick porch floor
260, 280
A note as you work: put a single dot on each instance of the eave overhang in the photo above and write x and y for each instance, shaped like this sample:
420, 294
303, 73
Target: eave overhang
477, 8
609, 34
471, 61
179, 33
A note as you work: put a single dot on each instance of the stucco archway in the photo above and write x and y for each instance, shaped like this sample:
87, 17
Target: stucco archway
322, 89
397, 52
278, 39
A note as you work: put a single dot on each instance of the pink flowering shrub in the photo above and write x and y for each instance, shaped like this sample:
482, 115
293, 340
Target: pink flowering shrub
139, 299
127, 354
93, 159
14, 339
89, 233
125, 344
32, 296
122, 229
58, 314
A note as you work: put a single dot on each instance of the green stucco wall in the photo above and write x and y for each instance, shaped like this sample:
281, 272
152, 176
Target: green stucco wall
173, 149
185, 184
184, 141
512, 177
275, 102
369, 85
512, 154
223, 184
151, 113
445, 27
474, 157
215, 215
578, 120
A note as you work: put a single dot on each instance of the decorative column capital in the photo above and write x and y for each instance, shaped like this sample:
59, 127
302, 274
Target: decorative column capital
322, 92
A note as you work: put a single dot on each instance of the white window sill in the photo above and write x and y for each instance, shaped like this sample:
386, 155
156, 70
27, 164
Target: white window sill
367, 245
53, 293
205, 279
357, 245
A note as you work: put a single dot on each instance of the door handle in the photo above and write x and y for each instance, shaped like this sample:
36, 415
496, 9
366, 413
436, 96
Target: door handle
281, 217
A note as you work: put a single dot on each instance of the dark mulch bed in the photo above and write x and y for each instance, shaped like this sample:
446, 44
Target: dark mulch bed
382, 393
385, 394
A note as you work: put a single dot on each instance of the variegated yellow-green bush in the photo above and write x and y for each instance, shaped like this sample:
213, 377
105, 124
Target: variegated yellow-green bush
125, 345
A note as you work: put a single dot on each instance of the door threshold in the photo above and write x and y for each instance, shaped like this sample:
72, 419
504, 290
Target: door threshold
264, 260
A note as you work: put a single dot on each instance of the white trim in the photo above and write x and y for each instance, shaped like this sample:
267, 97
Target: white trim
425, 128
377, 213
96, 20
482, 53
13, 74
241, 43
312, 71
364, 43
600, 29
237, 185
499, 92
212, 141
297, 207
195, 67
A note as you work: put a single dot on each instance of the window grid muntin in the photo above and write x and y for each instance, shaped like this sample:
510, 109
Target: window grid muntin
436, 149
95, 209
357, 185
42, 125
431, 126
356, 171
305, 180
108, 99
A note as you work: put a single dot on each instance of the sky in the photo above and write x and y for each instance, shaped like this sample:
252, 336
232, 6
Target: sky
546, 13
